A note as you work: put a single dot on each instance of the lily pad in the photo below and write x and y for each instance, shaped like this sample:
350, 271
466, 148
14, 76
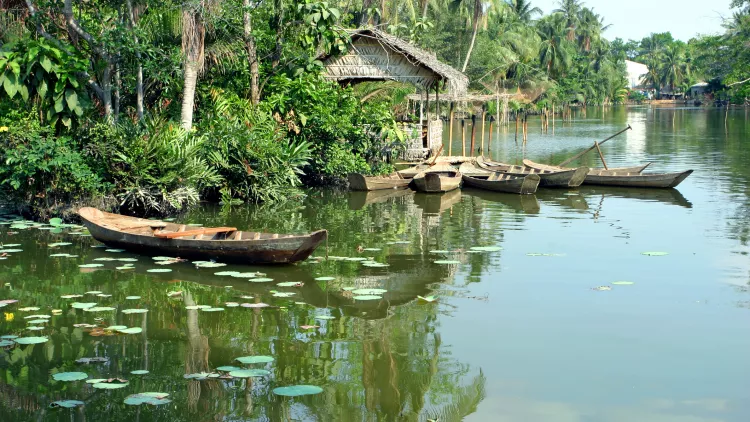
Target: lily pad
486, 248
247, 373
290, 284
194, 307
70, 296
28, 308
10, 250
371, 249
602, 288
228, 368
369, 291
655, 253
127, 259
297, 390
114, 250
231, 273
116, 327
153, 399
243, 275
357, 259
8, 337
399, 242
325, 278
99, 309
324, 317
309, 327
6, 343
67, 404
79, 305
139, 372
210, 265
132, 297
283, 294
212, 309
200, 376
70, 376
60, 255
90, 265
367, 297
112, 384
261, 280
371, 264
54, 245
159, 270
55, 222
254, 359
93, 292
446, 262
34, 328
163, 258
134, 311
427, 298
125, 267
38, 321
131, 330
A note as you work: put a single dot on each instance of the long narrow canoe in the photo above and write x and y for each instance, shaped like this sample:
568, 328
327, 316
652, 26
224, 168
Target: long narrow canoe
437, 181
634, 169
613, 177
369, 183
225, 244
549, 178
498, 182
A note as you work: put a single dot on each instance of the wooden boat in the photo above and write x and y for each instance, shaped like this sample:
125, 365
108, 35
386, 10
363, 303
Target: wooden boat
634, 169
437, 181
548, 178
369, 183
498, 182
224, 244
613, 177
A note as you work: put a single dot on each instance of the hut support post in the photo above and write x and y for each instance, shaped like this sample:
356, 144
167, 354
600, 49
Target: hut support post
463, 138
489, 139
473, 132
427, 115
517, 128
484, 113
450, 130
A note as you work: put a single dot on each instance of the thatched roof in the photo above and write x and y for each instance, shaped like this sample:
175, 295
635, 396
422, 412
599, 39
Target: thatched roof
375, 55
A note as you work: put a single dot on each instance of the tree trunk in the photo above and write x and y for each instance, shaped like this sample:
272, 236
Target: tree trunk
279, 34
139, 68
107, 92
471, 45
252, 52
116, 94
188, 94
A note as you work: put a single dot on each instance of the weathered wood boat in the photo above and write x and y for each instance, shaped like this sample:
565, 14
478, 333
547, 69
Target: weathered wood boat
548, 178
634, 169
437, 181
224, 244
369, 183
613, 177
498, 182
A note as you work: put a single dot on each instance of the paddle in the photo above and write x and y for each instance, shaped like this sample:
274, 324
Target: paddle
596, 146
440, 151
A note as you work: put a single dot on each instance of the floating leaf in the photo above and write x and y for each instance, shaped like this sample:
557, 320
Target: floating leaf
446, 262
200, 376
349, 288
308, 327
103, 295
8, 337
6, 343
96, 359
70, 376
111, 384
254, 305
212, 309
324, 317
371, 249
174, 293
70, 296
284, 294
132, 297
622, 283
28, 308
99, 309
61, 255
297, 390
68, 404
194, 307
38, 321
125, 267
78, 305
254, 359
228, 368
105, 259
602, 288
34, 328
486, 248
55, 222
210, 265
291, 284
231, 273
369, 291
159, 270
114, 250
247, 373
95, 380
371, 264
134, 311
131, 330
127, 259
139, 372
90, 265
399, 242
163, 258
655, 253
367, 297
10, 250
54, 245
116, 327
325, 278
243, 275
427, 298
261, 280
93, 292
357, 259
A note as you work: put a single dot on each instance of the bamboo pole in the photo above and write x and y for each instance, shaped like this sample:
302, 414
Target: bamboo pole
473, 132
427, 115
450, 131
484, 113
463, 138
489, 139
516, 128
593, 147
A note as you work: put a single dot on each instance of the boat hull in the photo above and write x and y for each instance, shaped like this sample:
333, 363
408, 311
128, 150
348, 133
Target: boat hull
437, 181
524, 185
568, 178
284, 249
360, 182
625, 176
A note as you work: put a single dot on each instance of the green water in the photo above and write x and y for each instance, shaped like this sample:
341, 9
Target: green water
518, 334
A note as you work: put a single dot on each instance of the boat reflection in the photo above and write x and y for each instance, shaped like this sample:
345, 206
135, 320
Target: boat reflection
527, 204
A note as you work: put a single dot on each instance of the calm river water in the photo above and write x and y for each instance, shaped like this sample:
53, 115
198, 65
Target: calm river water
517, 334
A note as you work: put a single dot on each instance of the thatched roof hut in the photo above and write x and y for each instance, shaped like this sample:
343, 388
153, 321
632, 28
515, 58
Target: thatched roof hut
377, 56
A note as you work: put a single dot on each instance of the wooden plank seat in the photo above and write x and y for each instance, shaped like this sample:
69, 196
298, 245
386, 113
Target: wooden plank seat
196, 232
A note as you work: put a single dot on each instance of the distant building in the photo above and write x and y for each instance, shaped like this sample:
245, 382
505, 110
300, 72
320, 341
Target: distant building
698, 89
636, 74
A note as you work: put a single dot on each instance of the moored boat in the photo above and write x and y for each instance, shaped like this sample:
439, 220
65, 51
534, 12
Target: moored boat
613, 177
548, 178
394, 180
436, 181
224, 244
539, 166
499, 182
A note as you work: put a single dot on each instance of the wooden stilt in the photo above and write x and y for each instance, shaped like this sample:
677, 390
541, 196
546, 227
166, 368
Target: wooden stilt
463, 138
473, 131
489, 139
450, 131
484, 113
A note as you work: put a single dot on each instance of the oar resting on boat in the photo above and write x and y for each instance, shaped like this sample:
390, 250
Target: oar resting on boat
625, 177
224, 244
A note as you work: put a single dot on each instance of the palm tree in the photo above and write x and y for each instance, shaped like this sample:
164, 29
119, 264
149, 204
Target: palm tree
477, 13
193, 44
554, 53
523, 10
590, 28
570, 9
675, 68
